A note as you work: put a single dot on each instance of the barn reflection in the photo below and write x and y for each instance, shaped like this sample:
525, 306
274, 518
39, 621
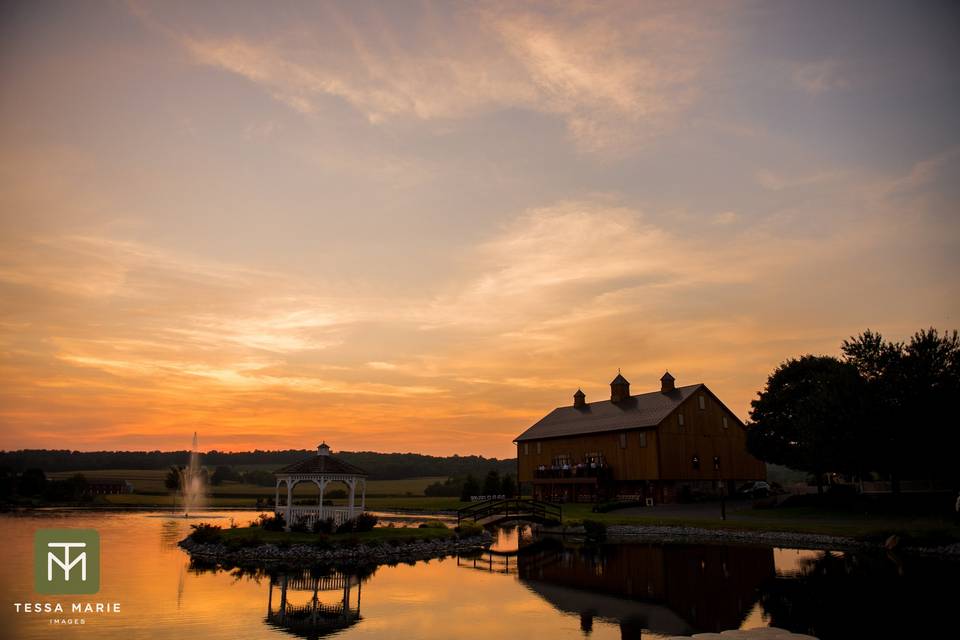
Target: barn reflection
669, 589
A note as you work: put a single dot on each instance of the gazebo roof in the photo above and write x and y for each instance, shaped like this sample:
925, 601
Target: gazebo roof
321, 464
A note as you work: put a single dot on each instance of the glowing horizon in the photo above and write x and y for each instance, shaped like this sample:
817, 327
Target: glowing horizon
422, 228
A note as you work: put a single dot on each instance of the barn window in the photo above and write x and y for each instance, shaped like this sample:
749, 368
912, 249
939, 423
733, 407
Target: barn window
526, 448
680, 419
643, 439
725, 425
703, 402
623, 440
539, 448
562, 460
716, 463
695, 461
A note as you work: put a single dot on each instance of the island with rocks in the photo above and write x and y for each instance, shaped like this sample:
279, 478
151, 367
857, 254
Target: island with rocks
355, 543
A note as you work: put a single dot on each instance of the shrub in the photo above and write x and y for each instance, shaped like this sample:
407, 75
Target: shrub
433, 524
271, 523
323, 526
469, 529
205, 533
594, 530
366, 521
300, 526
363, 522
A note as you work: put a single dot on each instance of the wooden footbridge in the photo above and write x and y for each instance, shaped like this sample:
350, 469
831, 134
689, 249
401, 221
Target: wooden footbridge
491, 512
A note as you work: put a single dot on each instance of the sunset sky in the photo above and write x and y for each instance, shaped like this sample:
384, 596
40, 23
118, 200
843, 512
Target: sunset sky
415, 226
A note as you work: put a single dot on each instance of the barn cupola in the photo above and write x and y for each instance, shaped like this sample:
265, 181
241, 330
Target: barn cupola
667, 383
619, 388
323, 449
579, 399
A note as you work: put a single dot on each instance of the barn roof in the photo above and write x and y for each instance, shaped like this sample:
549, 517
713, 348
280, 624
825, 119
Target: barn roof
643, 410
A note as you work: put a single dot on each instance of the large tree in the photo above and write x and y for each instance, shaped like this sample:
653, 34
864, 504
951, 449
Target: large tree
909, 392
809, 417
881, 367
885, 406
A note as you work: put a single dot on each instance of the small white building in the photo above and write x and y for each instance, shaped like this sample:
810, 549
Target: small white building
322, 470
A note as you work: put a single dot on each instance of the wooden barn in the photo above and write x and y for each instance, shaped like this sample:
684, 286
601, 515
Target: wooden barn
661, 446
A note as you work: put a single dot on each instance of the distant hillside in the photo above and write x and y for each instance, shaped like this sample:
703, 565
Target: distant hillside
380, 466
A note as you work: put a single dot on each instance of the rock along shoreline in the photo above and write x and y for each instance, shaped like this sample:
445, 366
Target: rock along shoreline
305, 555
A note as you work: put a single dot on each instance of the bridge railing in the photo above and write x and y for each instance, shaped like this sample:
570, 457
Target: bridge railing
536, 509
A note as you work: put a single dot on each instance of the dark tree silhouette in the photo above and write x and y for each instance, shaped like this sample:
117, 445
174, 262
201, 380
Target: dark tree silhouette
172, 481
491, 484
908, 390
32, 482
807, 416
470, 488
508, 486
886, 406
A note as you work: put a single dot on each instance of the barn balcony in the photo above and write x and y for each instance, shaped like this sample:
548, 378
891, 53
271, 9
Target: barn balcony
601, 472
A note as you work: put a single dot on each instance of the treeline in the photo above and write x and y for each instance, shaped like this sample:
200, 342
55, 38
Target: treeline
33, 484
883, 408
468, 487
380, 466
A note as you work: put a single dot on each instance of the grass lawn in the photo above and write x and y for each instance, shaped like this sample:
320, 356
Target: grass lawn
167, 501
932, 528
400, 487
150, 482
403, 503
255, 535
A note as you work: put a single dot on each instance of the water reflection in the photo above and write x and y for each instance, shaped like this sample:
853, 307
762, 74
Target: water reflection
557, 590
859, 595
311, 604
675, 589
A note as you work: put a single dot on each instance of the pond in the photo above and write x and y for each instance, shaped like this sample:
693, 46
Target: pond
552, 589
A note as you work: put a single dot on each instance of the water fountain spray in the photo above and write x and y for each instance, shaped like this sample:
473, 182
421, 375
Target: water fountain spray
192, 482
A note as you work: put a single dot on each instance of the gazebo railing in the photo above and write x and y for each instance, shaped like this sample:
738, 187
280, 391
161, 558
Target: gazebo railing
311, 513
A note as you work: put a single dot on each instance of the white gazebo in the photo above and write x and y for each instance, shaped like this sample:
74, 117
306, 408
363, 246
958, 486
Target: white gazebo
321, 469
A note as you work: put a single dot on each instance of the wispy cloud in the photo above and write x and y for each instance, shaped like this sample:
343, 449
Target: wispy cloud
922, 173
820, 77
614, 74
777, 181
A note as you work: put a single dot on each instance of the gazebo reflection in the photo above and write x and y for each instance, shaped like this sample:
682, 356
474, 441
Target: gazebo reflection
313, 603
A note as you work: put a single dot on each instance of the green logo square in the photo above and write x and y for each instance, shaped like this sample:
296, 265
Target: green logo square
66, 561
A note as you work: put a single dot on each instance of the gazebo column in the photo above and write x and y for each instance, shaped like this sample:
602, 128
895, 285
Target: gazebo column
353, 493
323, 488
363, 495
289, 503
